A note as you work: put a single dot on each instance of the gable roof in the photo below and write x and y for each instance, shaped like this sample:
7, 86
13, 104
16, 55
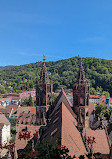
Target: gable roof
4, 120
62, 97
62, 125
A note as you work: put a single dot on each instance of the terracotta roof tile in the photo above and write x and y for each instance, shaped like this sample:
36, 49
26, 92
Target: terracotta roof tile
94, 96
14, 106
4, 120
22, 110
63, 125
6, 99
21, 144
1, 106
33, 110
91, 108
101, 144
71, 137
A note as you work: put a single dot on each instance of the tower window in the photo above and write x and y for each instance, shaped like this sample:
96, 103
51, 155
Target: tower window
87, 114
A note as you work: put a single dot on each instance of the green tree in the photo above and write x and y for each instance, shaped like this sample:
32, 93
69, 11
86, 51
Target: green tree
101, 110
2, 90
30, 101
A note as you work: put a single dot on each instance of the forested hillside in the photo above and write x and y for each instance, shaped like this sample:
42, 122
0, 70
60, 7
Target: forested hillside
24, 77
4, 67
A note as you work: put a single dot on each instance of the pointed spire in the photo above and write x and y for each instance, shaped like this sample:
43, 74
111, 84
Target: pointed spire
107, 96
44, 58
44, 75
81, 73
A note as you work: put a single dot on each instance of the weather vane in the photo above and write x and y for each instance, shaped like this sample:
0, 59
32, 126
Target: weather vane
44, 58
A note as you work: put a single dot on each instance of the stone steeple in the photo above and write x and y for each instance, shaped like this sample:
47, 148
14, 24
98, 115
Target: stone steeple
44, 75
81, 77
44, 89
81, 91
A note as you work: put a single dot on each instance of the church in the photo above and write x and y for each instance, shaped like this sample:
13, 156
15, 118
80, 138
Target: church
70, 122
63, 120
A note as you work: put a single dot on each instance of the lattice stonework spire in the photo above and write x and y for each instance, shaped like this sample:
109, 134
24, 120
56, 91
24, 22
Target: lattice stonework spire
44, 89
81, 91
44, 75
81, 73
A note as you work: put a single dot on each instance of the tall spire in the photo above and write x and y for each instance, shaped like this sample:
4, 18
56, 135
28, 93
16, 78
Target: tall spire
44, 75
81, 91
44, 89
44, 58
81, 73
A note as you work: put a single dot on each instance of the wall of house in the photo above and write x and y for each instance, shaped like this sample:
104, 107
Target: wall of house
6, 134
94, 100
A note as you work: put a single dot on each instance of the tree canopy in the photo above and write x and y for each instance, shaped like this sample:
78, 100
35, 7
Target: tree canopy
24, 77
102, 111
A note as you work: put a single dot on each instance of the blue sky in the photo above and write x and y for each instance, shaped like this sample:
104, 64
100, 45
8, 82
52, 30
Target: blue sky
59, 29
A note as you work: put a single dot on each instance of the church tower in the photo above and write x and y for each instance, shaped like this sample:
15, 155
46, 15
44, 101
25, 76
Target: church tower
81, 91
44, 89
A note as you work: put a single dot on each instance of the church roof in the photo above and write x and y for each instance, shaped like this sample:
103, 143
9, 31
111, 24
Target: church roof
71, 137
101, 140
62, 125
62, 97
